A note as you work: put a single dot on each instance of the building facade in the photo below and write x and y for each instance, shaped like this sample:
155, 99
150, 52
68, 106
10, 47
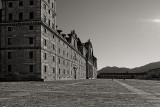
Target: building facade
31, 47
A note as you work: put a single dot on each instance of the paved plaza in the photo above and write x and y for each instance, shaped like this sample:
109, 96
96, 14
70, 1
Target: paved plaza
81, 93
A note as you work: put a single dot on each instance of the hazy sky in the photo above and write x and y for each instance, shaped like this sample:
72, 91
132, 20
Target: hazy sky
124, 33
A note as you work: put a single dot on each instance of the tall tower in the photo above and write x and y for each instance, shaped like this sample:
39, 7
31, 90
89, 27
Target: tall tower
24, 38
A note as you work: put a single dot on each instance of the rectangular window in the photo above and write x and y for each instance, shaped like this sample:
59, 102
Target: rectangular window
20, 16
59, 71
10, 4
10, 16
20, 3
54, 69
53, 58
30, 27
30, 40
31, 15
9, 68
59, 61
52, 25
45, 42
52, 5
45, 56
53, 36
31, 68
49, 22
44, 5
53, 47
45, 68
9, 41
64, 72
67, 54
31, 2
63, 52
49, 1
9, 28
44, 18
31, 55
63, 62
59, 51
49, 11
45, 31
9, 55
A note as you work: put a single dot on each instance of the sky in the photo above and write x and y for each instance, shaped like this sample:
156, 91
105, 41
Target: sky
124, 33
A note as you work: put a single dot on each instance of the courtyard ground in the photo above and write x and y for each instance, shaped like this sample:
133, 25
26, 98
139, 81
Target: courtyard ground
81, 93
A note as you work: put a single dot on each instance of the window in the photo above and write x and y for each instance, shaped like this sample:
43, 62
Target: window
63, 52
49, 22
30, 27
67, 54
44, 5
45, 30
52, 25
53, 47
52, 5
31, 68
31, 15
59, 50
20, 3
31, 55
9, 68
53, 36
30, 40
9, 28
45, 68
54, 70
10, 16
20, 16
59, 61
63, 62
53, 14
45, 56
44, 18
45, 42
10, 4
31, 2
9, 55
53, 58
9, 41
49, 11
64, 72
48, 1
59, 71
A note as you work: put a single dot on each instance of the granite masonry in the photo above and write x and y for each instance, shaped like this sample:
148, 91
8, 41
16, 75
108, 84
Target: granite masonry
32, 48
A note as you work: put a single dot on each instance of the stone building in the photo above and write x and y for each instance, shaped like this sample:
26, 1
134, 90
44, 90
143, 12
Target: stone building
31, 47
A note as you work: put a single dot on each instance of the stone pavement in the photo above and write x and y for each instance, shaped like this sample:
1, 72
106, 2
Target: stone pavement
81, 93
152, 99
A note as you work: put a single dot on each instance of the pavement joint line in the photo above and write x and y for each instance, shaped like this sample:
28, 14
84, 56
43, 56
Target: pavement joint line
146, 96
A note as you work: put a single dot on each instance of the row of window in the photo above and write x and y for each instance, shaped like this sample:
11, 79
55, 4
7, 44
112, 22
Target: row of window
45, 57
30, 28
30, 54
31, 68
49, 21
45, 69
21, 16
10, 4
44, 5
31, 40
